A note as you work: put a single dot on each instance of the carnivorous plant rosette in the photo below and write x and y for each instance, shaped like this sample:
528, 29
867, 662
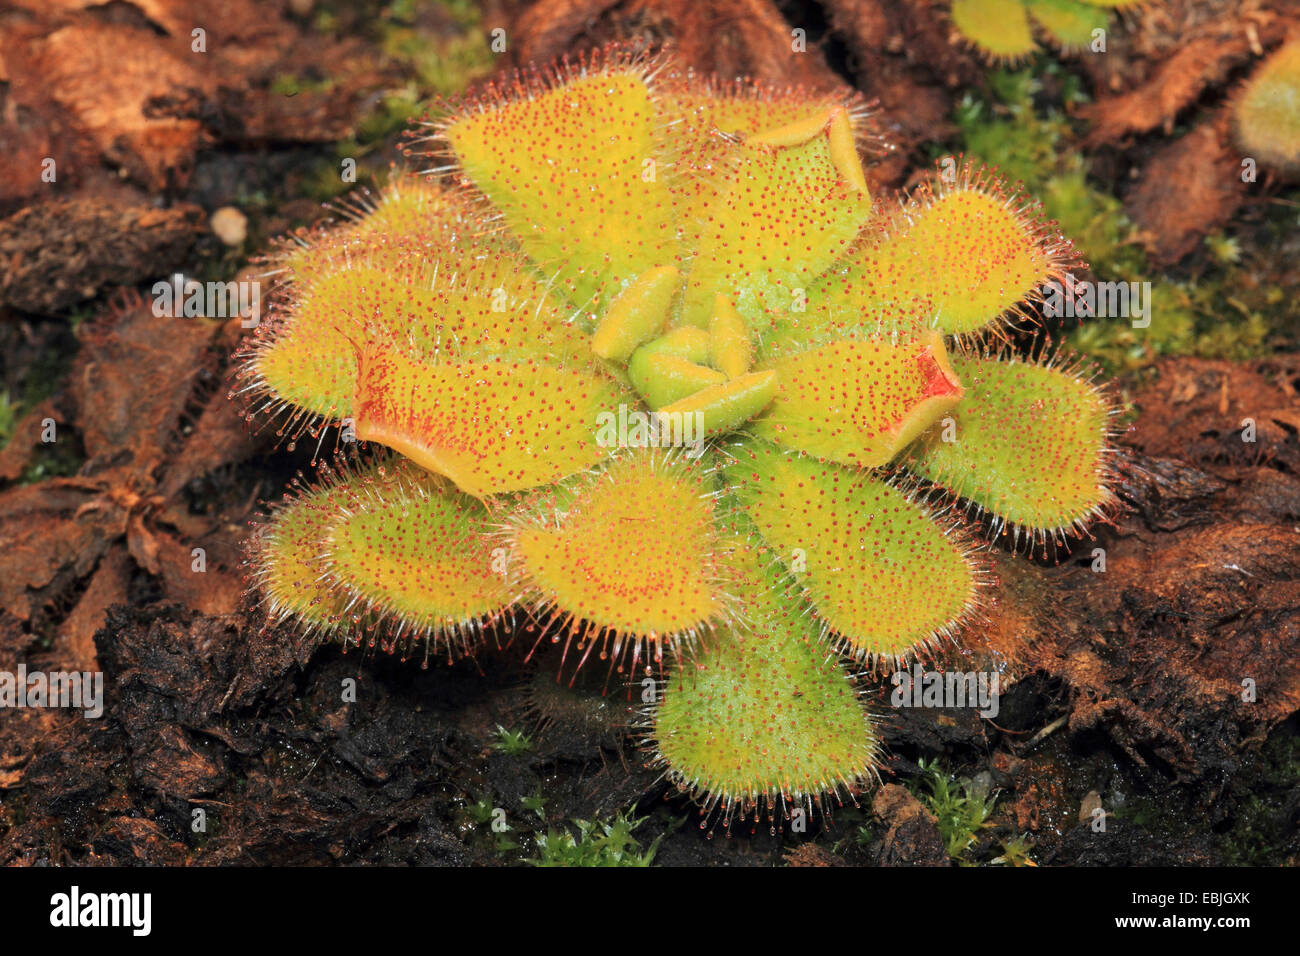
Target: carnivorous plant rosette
1266, 111
661, 382
1004, 30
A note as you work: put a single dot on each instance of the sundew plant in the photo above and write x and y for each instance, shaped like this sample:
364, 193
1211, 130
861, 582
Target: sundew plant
1007, 31
645, 370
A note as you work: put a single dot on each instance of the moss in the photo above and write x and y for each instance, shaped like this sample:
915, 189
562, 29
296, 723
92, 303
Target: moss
1015, 851
597, 843
287, 84
960, 811
445, 65
58, 460
513, 743
436, 47
8, 418
1262, 833
41, 379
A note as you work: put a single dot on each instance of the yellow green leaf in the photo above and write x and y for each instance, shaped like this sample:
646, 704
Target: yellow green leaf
490, 426
574, 171
629, 553
1030, 443
761, 716
859, 400
882, 573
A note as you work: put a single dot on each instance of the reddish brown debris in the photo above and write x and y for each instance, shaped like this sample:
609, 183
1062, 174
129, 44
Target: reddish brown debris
1190, 187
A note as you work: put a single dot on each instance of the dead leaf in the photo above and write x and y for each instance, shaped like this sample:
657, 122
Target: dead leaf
1189, 188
